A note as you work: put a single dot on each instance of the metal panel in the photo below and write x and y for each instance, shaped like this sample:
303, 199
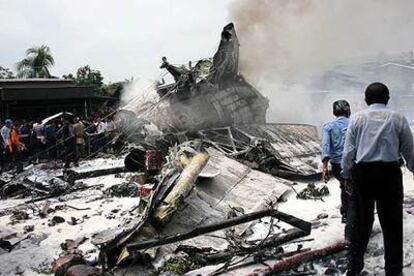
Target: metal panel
237, 185
296, 145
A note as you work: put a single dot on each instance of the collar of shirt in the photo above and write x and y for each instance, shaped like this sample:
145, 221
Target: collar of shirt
341, 119
376, 106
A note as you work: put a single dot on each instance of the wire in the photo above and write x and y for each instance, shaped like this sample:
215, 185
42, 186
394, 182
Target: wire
36, 155
147, 111
132, 133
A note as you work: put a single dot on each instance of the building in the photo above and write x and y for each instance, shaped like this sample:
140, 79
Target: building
39, 98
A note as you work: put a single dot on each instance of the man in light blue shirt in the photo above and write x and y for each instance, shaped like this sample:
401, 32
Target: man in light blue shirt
333, 140
375, 141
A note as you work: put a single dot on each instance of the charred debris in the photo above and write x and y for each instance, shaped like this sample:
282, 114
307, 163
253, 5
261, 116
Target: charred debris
216, 167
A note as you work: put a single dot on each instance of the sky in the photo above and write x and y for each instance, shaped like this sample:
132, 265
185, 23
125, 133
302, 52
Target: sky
121, 38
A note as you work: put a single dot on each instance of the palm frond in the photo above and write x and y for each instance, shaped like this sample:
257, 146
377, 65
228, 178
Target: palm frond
36, 63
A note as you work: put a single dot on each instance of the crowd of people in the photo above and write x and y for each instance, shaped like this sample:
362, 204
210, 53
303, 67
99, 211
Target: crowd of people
65, 138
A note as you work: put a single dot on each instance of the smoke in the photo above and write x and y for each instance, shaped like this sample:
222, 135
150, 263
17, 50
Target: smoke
141, 104
286, 44
139, 95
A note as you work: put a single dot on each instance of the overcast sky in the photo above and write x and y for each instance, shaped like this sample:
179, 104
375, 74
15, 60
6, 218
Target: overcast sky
121, 38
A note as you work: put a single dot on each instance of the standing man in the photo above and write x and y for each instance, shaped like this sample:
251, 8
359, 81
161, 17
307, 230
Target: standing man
15, 148
333, 140
51, 140
67, 137
102, 135
24, 133
5, 135
375, 141
40, 142
5, 131
2, 151
80, 134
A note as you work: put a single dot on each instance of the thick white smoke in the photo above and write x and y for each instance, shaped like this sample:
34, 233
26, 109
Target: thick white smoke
139, 95
285, 43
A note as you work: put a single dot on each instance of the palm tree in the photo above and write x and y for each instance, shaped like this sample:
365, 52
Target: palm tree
36, 63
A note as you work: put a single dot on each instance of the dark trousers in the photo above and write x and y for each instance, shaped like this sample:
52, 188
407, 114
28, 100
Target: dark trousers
377, 183
70, 152
2, 158
17, 160
336, 171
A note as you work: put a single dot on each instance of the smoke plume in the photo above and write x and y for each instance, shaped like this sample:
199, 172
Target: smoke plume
285, 43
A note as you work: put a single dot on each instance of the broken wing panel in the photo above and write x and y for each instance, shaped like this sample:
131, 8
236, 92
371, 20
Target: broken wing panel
295, 145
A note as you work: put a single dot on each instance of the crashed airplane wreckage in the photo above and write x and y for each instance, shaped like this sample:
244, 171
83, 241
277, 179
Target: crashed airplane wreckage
212, 101
211, 93
227, 156
217, 167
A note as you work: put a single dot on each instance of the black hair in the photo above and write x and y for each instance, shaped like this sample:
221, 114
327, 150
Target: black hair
377, 93
341, 108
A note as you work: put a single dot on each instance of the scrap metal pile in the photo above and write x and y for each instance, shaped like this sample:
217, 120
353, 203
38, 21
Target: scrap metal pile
218, 167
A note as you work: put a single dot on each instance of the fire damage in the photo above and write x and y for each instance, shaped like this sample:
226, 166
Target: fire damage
199, 197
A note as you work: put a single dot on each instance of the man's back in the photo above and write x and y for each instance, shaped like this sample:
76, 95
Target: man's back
79, 129
5, 133
377, 132
38, 129
375, 141
333, 139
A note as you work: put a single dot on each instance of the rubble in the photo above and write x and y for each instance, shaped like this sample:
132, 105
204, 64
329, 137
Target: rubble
295, 260
61, 265
56, 220
313, 192
302, 225
71, 176
71, 246
6, 245
83, 270
19, 215
28, 228
123, 190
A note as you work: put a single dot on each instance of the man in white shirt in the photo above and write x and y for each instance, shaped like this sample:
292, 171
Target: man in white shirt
376, 139
100, 126
5, 138
5, 132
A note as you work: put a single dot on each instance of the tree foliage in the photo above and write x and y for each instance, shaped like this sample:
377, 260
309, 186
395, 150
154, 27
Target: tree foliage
36, 63
88, 77
6, 73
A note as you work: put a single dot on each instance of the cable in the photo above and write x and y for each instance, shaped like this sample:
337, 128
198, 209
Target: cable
36, 155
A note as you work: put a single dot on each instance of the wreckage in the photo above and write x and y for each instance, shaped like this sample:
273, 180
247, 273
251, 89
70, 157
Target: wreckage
212, 101
211, 93
217, 167
225, 145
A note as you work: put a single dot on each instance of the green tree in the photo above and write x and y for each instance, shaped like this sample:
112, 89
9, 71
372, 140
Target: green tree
36, 63
69, 77
115, 89
87, 76
6, 73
